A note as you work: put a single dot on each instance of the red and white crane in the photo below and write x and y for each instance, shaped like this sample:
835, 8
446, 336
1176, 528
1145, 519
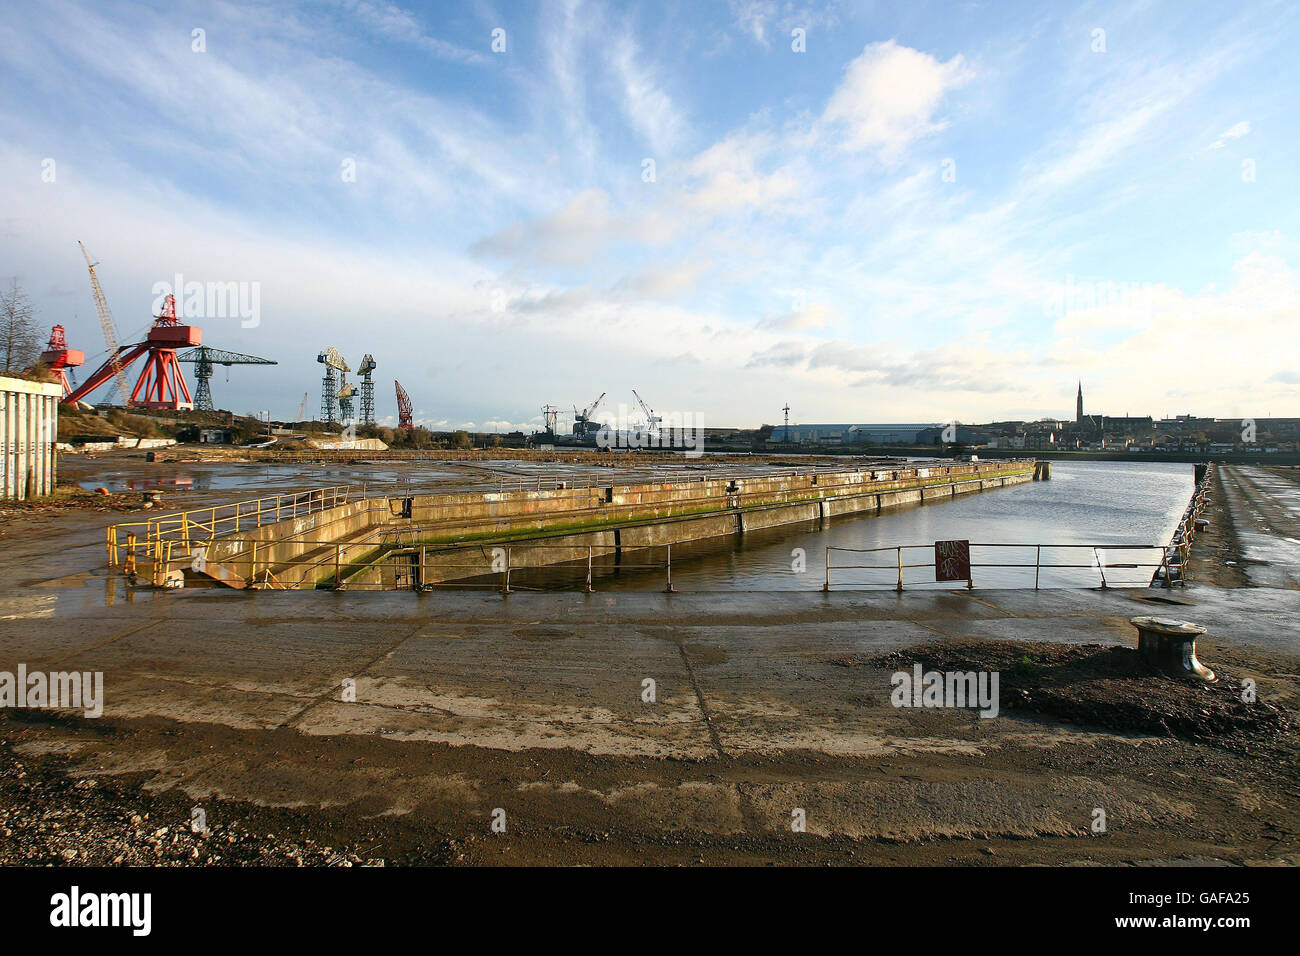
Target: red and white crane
58, 358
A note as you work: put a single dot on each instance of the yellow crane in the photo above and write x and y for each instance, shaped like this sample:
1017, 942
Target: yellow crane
106, 324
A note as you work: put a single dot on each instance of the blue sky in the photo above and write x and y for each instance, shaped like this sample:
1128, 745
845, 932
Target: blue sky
934, 211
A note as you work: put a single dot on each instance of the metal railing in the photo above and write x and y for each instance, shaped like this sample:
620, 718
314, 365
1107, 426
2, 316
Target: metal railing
1100, 562
134, 541
335, 565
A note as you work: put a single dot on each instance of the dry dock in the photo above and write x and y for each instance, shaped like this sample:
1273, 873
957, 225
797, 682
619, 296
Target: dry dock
394, 726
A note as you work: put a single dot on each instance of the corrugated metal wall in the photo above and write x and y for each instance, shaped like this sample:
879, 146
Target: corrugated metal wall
29, 427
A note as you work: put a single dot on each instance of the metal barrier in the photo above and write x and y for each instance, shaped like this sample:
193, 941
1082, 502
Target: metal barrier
152, 540
331, 560
1180, 545
1099, 562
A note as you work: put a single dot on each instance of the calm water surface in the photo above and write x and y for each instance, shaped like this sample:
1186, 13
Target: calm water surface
1094, 503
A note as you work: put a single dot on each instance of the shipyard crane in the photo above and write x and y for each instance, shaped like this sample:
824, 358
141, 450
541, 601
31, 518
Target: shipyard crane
332, 359
367, 367
60, 359
404, 410
652, 420
346, 391
106, 324
161, 384
550, 415
582, 423
204, 358
302, 409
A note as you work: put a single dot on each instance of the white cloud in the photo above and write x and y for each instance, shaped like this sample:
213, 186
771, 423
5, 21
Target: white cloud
889, 96
1236, 131
648, 106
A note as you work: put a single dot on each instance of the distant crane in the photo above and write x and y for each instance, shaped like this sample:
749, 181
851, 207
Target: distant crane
106, 324
204, 358
652, 420
367, 367
404, 411
332, 359
302, 409
60, 359
346, 391
550, 415
582, 423
786, 436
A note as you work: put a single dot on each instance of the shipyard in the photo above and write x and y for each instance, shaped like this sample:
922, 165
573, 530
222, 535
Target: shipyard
587, 438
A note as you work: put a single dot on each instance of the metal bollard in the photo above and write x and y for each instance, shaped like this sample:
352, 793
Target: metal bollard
1171, 646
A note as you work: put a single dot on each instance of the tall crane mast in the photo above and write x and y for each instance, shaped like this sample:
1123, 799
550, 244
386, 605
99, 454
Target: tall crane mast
332, 359
106, 324
550, 415
652, 420
367, 368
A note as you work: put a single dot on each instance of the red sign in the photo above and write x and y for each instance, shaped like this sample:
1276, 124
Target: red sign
952, 560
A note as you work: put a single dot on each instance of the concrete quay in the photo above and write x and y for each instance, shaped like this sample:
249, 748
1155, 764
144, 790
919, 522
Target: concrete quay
337, 539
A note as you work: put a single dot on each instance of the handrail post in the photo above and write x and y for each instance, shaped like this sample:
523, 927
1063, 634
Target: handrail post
1100, 570
827, 585
589, 587
1038, 562
899, 552
505, 585
670, 589
338, 564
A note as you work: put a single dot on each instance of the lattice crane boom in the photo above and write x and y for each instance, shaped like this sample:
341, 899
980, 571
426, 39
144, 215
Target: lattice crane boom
108, 327
204, 359
405, 412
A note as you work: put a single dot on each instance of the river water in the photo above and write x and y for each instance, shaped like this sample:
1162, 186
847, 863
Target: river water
1090, 503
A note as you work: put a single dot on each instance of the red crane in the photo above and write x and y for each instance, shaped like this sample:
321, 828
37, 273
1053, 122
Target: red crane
59, 358
161, 384
404, 419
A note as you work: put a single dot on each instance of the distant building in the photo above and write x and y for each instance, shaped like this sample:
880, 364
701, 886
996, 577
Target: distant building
850, 434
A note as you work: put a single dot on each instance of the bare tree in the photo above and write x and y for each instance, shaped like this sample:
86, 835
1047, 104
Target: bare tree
20, 343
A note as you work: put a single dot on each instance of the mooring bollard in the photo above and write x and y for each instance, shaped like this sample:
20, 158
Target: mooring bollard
1171, 646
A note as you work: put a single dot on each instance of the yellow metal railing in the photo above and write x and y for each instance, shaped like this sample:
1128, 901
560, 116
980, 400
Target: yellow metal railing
154, 539
330, 564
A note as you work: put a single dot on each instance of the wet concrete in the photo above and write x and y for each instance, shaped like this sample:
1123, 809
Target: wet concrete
1264, 508
534, 703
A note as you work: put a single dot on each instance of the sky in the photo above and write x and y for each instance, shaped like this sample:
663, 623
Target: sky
874, 212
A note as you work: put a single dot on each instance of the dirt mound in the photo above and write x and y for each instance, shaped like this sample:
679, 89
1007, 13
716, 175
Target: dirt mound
1101, 686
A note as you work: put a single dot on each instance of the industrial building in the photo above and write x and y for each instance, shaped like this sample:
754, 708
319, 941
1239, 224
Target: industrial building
29, 427
849, 434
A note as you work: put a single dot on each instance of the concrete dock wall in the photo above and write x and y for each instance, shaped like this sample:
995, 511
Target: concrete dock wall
454, 535
665, 513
